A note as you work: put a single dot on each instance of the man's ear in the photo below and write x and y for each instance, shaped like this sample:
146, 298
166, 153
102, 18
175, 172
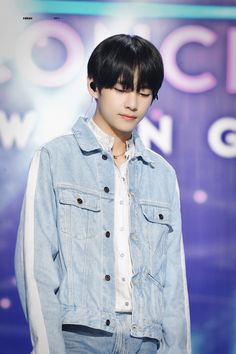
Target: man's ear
92, 89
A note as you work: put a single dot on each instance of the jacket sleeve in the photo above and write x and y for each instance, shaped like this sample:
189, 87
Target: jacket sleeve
35, 259
176, 319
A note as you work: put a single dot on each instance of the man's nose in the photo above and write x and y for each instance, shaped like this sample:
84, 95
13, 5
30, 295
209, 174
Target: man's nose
131, 101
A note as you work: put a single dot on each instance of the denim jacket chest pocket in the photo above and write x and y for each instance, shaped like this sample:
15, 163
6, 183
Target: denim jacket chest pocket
157, 226
157, 221
79, 212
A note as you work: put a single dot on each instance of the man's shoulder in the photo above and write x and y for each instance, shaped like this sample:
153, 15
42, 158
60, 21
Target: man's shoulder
59, 144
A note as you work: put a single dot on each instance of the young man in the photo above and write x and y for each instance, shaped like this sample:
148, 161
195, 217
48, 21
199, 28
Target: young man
99, 257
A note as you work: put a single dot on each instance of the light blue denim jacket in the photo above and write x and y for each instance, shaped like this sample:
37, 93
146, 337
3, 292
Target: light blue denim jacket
65, 248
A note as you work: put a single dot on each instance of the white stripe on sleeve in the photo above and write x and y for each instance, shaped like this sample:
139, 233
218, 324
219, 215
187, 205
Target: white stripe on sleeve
36, 320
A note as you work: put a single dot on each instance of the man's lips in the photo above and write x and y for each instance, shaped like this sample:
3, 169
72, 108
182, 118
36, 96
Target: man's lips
127, 117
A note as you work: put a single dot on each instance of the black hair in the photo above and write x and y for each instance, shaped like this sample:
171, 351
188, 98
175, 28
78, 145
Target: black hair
118, 56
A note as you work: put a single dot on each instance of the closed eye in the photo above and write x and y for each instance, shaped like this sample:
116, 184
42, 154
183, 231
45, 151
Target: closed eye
119, 89
122, 90
144, 94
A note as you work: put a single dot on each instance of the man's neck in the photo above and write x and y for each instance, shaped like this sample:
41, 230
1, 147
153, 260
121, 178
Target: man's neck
106, 128
121, 150
120, 139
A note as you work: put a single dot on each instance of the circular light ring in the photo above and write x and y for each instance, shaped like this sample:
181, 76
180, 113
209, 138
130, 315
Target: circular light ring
60, 31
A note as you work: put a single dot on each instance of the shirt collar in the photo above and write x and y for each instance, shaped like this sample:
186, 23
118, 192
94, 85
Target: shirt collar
104, 139
88, 141
107, 141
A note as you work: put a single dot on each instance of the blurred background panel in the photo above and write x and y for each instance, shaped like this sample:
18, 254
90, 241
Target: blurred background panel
44, 49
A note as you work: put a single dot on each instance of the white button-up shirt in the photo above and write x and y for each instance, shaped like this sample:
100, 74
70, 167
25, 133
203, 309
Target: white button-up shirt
123, 265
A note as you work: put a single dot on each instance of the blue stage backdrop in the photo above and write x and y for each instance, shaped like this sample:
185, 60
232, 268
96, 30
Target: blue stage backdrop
43, 58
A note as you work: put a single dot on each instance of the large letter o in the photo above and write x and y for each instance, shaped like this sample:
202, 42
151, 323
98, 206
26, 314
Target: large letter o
65, 34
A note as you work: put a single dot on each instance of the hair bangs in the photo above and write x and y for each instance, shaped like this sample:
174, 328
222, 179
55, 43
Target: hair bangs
147, 79
118, 68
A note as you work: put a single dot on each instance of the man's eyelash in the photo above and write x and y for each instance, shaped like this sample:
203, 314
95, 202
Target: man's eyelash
119, 89
145, 94
123, 90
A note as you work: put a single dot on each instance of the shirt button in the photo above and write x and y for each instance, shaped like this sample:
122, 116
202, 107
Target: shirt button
122, 255
108, 322
107, 234
107, 277
126, 303
123, 279
104, 157
161, 217
106, 189
79, 200
133, 236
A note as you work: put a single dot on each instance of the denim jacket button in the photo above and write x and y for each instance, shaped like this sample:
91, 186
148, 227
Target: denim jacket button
107, 234
106, 189
108, 322
104, 157
107, 277
161, 217
79, 200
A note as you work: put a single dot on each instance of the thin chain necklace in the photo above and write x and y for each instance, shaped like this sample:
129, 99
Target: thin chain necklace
116, 156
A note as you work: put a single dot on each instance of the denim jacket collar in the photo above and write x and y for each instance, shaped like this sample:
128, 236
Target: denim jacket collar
88, 142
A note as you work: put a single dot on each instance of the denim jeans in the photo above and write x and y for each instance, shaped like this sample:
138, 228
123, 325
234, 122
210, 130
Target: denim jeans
85, 340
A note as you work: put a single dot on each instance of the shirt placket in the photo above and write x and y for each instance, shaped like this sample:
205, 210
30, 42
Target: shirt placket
123, 261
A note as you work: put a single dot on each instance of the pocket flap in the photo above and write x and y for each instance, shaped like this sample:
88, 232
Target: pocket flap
80, 199
156, 214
